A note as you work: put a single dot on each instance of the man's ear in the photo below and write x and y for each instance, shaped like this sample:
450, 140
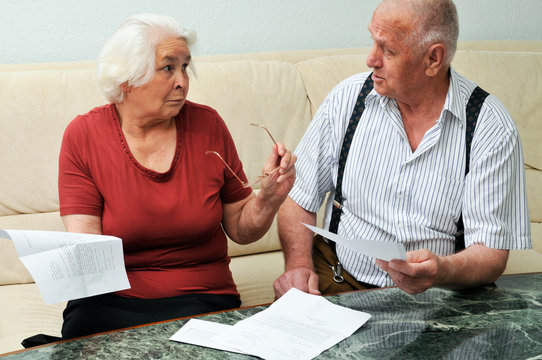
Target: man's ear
435, 59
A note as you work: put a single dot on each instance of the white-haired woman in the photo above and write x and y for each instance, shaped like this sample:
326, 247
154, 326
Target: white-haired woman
137, 168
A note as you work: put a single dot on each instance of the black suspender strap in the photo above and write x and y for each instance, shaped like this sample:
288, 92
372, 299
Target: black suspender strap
347, 141
474, 105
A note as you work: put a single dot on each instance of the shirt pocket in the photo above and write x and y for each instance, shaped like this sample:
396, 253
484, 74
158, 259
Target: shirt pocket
437, 203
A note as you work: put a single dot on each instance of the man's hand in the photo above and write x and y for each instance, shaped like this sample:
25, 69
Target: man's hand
296, 240
415, 275
301, 278
476, 265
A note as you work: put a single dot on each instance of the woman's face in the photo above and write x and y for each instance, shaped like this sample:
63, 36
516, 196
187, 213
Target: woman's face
164, 96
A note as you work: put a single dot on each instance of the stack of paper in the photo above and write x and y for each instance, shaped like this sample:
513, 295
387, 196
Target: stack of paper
297, 326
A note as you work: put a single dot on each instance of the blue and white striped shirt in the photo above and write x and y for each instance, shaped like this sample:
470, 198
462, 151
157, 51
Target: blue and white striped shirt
393, 194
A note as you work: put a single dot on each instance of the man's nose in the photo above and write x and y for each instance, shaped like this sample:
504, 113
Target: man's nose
373, 59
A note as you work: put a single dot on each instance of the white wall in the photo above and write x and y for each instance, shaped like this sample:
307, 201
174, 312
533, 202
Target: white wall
72, 30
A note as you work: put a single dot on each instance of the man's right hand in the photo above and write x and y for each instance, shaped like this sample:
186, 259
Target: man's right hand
301, 278
296, 241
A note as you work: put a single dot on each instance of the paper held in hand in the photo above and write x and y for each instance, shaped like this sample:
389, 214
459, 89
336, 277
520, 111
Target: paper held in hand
67, 266
378, 249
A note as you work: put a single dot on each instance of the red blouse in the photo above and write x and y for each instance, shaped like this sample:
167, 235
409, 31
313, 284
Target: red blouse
169, 223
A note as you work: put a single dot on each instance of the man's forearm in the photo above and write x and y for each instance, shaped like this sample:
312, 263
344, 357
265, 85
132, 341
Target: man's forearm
473, 266
295, 238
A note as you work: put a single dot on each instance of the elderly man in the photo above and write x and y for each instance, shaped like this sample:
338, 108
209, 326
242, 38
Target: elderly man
411, 172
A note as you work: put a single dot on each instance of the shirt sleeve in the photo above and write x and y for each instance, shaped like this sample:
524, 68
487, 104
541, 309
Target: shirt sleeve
495, 203
77, 191
314, 176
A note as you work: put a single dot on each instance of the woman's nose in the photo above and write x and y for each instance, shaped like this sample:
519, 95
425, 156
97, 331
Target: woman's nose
180, 80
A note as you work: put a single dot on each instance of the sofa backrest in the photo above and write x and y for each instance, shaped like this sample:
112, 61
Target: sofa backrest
37, 101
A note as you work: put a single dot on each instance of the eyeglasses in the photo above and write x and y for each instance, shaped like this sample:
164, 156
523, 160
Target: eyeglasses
261, 177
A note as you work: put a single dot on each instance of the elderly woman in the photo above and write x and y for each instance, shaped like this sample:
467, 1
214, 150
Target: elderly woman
137, 168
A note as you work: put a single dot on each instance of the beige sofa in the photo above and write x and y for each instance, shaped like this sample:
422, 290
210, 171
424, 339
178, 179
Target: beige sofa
281, 90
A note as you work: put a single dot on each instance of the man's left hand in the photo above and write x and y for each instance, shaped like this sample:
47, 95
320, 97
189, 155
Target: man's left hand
415, 275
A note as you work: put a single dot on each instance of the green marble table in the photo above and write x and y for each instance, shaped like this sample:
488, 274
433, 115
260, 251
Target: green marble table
491, 322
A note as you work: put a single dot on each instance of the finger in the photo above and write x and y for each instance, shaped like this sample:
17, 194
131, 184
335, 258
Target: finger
281, 149
271, 162
290, 174
382, 264
285, 161
288, 160
283, 284
313, 285
412, 269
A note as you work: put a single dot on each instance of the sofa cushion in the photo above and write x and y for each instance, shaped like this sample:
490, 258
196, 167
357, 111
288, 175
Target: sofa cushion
229, 87
321, 74
254, 276
534, 195
16, 300
12, 270
518, 87
51, 99
239, 90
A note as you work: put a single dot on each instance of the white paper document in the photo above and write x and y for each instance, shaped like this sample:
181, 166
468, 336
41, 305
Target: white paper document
296, 326
378, 249
67, 266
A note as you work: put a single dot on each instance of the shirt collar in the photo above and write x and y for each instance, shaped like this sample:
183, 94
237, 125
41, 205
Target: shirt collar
454, 104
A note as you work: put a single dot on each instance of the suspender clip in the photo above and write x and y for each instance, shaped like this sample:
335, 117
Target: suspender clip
337, 205
337, 277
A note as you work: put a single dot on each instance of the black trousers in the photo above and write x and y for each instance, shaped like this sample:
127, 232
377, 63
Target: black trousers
111, 312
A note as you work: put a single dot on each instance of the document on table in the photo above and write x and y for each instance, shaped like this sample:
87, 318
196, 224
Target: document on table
378, 249
67, 266
296, 326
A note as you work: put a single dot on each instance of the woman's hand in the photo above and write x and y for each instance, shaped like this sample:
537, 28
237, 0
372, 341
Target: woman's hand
276, 184
248, 220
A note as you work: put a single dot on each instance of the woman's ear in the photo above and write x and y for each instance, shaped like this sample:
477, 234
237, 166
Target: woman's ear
125, 88
435, 59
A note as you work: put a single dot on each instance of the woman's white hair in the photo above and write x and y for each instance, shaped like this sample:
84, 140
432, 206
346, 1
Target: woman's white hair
129, 54
437, 22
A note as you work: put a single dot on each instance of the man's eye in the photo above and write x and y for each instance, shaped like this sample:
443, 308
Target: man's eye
167, 68
185, 66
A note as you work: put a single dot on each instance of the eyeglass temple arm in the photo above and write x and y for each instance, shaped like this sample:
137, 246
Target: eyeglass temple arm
268, 133
229, 168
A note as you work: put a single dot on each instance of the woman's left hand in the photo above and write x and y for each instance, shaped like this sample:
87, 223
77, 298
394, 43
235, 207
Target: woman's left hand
249, 219
277, 185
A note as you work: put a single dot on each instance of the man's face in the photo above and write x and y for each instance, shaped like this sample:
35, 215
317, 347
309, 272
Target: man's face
397, 70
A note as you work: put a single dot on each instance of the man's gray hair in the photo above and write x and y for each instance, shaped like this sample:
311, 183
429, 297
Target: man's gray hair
129, 54
437, 22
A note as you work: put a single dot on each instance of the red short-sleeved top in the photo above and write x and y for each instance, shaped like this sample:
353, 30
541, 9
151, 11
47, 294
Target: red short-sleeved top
169, 223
